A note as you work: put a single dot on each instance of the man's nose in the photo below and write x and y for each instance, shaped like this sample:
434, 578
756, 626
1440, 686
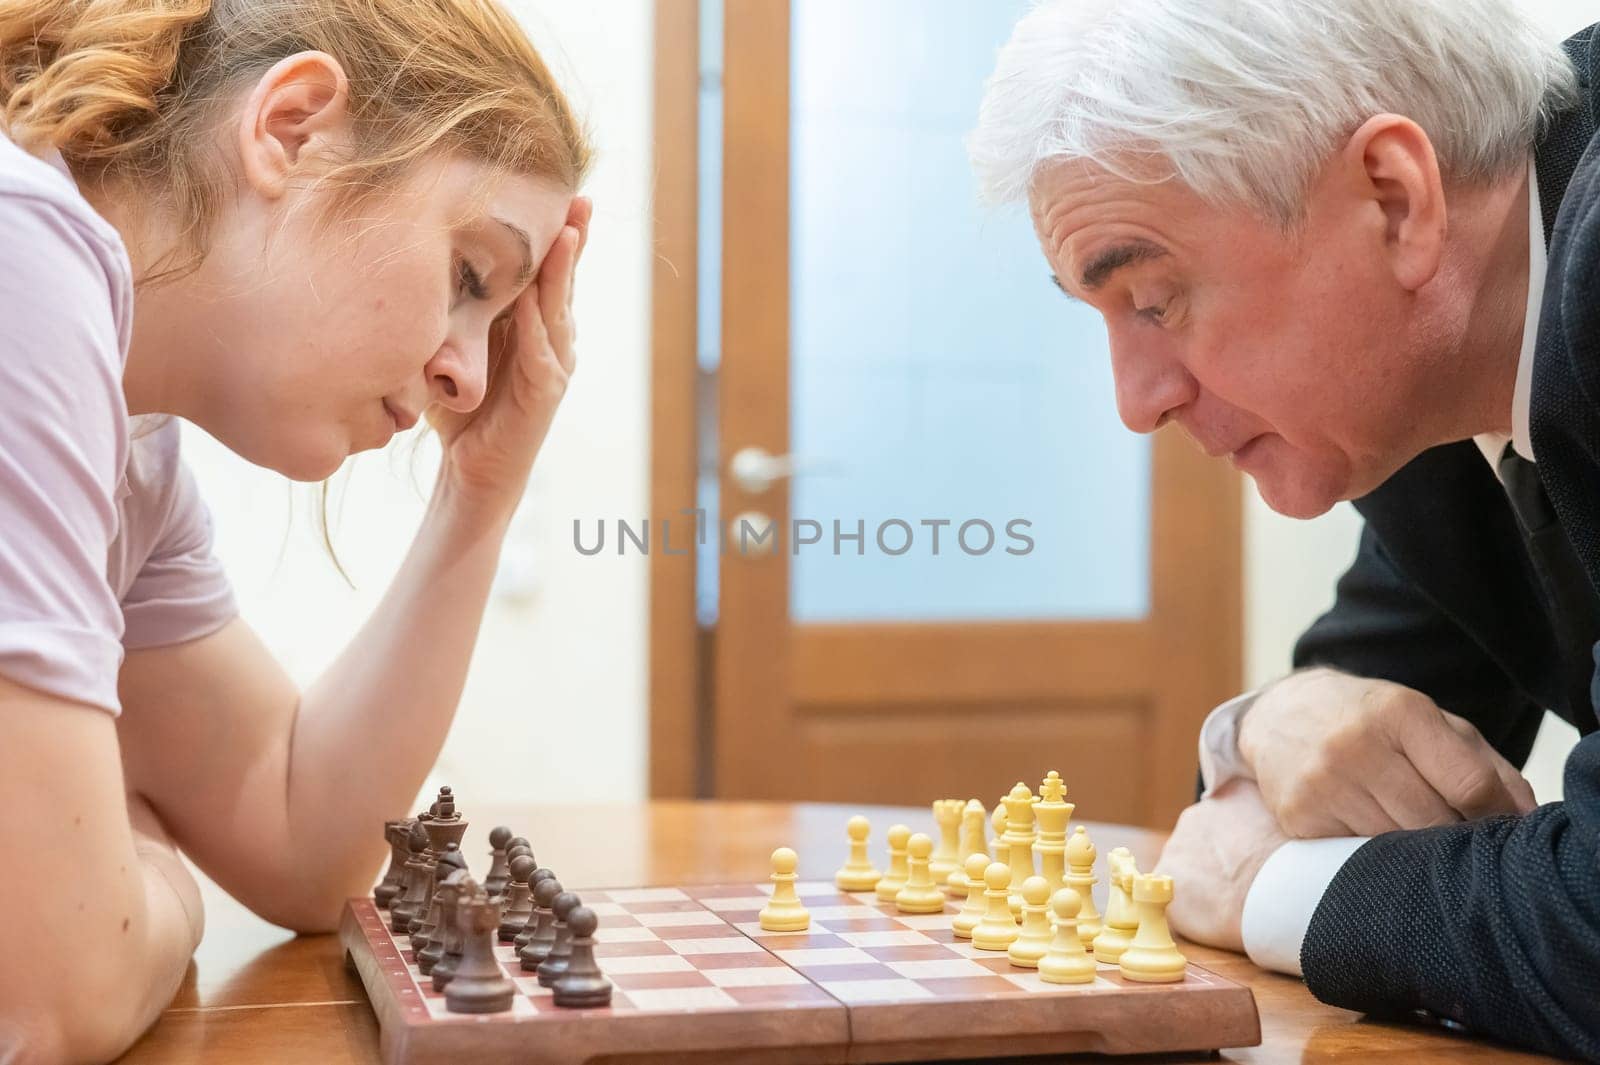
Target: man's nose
1151, 385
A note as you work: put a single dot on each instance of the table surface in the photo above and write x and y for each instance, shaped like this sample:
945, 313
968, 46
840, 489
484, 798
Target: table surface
255, 993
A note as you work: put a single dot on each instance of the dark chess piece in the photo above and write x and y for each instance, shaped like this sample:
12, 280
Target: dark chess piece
437, 939
518, 905
517, 846
480, 985
531, 925
445, 805
552, 967
499, 869
395, 832
444, 828
582, 985
408, 905
427, 940
537, 949
447, 965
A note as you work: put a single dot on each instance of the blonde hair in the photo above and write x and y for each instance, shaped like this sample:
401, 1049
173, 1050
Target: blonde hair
130, 91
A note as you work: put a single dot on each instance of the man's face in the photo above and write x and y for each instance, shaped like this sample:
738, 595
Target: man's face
1295, 356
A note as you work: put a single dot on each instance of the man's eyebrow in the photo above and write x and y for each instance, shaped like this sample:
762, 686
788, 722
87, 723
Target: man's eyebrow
525, 274
1056, 281
1099, 269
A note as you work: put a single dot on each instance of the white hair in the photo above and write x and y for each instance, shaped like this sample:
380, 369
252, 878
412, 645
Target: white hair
1243, 100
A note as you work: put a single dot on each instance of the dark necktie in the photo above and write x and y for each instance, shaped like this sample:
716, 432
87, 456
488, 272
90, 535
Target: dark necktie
1569, 596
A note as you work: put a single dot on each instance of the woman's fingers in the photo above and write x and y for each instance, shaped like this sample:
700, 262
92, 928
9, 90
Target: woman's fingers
555, 287
578, 217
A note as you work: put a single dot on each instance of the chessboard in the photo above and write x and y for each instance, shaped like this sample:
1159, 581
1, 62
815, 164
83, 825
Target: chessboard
696, 979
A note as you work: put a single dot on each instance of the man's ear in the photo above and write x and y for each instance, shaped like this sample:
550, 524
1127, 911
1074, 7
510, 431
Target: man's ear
1390, 163
300, 101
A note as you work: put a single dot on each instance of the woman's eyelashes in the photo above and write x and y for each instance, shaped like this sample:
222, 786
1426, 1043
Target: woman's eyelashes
469, 282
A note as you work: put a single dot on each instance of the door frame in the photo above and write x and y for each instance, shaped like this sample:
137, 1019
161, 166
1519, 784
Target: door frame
1196, 503
678, 725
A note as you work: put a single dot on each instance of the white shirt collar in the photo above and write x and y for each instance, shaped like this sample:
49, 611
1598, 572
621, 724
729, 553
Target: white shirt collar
1494, 444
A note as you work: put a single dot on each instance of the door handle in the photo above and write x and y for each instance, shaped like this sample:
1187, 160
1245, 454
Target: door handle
755, 470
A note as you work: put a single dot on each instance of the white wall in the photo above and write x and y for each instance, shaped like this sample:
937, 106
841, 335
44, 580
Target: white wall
555, 703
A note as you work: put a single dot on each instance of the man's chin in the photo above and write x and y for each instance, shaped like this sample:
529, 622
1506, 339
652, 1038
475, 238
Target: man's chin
1299, 499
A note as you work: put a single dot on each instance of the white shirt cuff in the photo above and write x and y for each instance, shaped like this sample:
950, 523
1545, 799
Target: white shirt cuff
1220, 761
1285, 894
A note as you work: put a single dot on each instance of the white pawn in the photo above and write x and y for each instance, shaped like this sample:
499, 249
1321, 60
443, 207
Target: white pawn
972, 886
890, 883
858, 873
1034, 939
998, 929
1152, 957
920, 894
1066, 962
784, 911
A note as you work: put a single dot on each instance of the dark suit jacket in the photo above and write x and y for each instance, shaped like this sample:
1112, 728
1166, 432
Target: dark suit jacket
1493, 924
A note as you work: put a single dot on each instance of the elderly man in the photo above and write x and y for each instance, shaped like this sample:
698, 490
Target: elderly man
1354, 246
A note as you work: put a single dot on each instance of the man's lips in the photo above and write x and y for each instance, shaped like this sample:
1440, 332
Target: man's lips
1218, 451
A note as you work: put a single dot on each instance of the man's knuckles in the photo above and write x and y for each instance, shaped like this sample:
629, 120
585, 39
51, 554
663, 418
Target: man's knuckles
1477, 790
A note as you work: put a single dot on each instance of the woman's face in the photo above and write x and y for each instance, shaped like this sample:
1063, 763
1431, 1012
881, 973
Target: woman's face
330, 337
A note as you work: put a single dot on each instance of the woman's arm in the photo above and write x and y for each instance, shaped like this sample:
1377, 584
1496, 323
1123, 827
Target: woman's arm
102, 916
280, 797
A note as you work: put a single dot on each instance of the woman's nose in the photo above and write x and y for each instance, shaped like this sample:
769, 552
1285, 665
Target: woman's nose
458, 376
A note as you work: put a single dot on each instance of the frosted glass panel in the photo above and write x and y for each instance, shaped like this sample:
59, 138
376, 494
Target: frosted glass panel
937, 374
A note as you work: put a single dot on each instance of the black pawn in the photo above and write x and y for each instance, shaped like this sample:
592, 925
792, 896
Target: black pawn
517, 846
551, 968
519, 902
537, 948
582, 985
480, 985
532, 923
499, 871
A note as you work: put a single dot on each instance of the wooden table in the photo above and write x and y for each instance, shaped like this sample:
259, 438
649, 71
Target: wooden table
255, 993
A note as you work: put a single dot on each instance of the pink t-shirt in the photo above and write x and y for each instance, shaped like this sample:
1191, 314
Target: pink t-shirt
105, 544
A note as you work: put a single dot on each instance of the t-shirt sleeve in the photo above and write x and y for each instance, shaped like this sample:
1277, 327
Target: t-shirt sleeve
182, 592
63, 444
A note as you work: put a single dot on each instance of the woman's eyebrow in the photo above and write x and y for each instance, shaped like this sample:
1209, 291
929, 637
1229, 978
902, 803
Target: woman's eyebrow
525, 274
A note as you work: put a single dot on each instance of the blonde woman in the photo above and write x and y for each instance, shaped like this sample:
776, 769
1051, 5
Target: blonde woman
301, 225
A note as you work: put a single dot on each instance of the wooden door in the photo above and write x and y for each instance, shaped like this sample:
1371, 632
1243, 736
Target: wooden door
901, 709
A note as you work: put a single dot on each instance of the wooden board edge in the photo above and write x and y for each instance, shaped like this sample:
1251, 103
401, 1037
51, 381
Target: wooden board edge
358, 953
1200, 1019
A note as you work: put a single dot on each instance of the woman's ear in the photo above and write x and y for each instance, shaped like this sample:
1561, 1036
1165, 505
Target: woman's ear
301, 101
